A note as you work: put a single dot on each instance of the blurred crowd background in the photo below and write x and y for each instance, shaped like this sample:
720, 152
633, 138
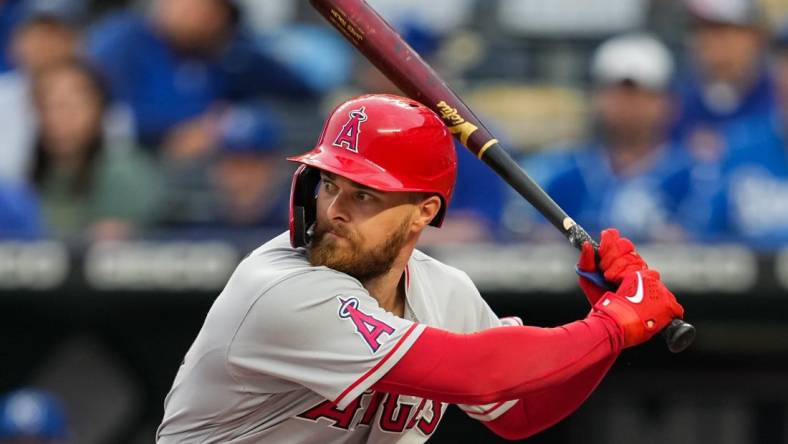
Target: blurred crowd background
141, 119
137, 122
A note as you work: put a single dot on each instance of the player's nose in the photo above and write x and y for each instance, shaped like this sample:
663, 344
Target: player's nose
337, 208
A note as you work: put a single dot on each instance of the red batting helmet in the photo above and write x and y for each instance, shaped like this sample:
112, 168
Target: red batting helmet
385, 142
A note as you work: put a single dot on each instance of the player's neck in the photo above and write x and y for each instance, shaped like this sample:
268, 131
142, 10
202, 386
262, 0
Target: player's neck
386, 288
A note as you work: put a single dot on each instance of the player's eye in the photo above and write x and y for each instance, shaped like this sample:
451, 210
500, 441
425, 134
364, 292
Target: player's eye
329, 187
363, 196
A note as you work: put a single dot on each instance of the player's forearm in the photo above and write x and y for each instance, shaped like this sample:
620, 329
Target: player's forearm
502, 363
540, 410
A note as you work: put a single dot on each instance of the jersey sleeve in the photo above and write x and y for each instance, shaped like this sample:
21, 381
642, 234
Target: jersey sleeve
470, 312
322, 330
481, 318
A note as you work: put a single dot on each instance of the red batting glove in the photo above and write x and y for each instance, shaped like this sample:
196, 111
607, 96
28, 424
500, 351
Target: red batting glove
617, 258
587, 263
642, 306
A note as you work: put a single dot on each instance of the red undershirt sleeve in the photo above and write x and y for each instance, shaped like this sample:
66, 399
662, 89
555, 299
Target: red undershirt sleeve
540, 410
547, 367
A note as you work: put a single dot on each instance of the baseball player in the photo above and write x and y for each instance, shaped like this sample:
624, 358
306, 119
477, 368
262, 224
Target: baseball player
340, 331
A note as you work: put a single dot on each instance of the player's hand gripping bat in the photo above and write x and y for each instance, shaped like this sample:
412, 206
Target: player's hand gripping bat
382, 46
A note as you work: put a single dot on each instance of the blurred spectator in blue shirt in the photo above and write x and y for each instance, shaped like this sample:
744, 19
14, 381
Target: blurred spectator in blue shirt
32, 417
750, 206
20, 215
749, 190
10, 14
48, 32
780, 67
177, 65
629, 176
251, 176
728, 99
730, 123
34, 34
247, 183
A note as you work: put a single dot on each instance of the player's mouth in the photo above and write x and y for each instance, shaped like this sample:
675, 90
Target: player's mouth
336, 234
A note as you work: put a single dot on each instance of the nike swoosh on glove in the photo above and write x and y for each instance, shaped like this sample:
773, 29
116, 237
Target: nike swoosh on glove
642, 306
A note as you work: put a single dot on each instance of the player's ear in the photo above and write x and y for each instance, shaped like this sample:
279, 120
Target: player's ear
427, 209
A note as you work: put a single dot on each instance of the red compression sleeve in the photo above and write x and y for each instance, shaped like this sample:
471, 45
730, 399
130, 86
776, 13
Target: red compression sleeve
540, 410
500, 364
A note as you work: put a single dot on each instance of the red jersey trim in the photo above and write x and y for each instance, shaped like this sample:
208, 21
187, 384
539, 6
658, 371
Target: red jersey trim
377, 366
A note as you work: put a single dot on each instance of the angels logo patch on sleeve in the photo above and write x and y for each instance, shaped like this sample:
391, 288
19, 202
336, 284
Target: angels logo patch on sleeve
367, 326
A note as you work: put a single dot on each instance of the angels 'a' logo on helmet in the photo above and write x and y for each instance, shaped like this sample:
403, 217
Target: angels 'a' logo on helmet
348, 135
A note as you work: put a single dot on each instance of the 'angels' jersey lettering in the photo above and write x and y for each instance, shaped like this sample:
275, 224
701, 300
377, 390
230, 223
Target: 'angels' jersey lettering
289, 353
398, 413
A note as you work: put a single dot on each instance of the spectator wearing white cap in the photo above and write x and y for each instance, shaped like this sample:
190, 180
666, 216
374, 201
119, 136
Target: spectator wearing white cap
628, 175
632, 75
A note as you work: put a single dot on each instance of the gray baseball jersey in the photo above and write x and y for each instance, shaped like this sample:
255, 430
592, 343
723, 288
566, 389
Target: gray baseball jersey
288, 353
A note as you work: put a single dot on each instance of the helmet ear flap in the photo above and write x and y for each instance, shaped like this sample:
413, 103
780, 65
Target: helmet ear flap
303, 205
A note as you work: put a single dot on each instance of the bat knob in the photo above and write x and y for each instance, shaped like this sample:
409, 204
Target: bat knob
679, 335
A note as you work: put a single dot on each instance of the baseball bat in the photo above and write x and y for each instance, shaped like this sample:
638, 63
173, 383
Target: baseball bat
360, 24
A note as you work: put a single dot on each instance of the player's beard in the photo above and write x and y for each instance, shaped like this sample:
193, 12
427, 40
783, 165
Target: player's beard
353, 259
